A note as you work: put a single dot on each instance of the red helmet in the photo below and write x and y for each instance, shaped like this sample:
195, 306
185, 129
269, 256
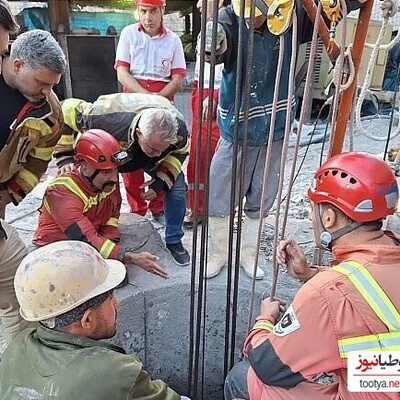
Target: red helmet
361, 185
99, 149
150, 3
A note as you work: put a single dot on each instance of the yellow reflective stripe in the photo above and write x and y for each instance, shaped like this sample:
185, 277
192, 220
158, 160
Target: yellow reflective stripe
46, 205
389, 341
42, 153
69, 112
173, 164
113, 222
38, 125
28, 177
265, 325
66, 140
73, 187
371, 292
107, 248
70, 184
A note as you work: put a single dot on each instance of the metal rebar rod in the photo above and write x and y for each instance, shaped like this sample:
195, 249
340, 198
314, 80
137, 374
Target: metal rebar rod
243, 159
238, 93
194, 334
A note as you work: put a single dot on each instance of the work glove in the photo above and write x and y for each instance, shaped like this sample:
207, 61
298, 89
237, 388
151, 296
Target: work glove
388, 8
221, 44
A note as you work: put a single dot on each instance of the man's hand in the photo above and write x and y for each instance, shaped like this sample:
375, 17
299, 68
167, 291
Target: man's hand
272, 308
148, 194
5, 198
290, 255
146, 261
65, 169
205, 108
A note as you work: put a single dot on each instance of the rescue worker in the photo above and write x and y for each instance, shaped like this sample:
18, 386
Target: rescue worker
85, 203
29, 128
154, 135
339, 309
31, 118
149, 59
65, 358
263, 72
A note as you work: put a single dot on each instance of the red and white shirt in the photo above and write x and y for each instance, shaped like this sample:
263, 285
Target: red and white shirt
151, 60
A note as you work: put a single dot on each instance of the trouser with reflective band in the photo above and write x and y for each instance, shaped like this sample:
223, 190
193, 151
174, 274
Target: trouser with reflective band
12, 251
202, 169
382, 306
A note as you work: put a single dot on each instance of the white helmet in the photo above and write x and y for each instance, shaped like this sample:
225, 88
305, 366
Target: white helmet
60, 276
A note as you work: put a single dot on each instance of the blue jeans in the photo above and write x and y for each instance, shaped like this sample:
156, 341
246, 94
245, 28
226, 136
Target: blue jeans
236, 382
174, 210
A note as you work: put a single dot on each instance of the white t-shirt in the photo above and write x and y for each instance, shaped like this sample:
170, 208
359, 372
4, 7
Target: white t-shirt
153, 58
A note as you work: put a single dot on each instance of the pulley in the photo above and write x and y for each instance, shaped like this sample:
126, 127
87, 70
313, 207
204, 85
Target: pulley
279, 16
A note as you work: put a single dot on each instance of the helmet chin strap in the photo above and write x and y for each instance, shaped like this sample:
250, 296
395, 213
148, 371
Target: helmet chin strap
326, 238
91, 178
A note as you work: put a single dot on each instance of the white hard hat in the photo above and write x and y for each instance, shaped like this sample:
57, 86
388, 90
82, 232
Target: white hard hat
60, 276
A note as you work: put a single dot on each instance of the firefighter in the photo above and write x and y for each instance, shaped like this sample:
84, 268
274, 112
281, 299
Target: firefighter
68, 287
85, 204
154, 134
340, 309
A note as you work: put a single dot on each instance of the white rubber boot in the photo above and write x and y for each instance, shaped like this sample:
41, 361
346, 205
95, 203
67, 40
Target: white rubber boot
249, 243
218, 230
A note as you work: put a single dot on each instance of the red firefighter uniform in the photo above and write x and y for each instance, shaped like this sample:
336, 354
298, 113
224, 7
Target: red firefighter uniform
70, 203
332, 314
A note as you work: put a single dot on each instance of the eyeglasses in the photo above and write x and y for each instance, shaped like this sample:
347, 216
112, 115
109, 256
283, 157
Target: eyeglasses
120, 157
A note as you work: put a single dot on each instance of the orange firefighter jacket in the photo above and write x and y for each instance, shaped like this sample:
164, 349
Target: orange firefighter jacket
285, 357
33, 137
72, 209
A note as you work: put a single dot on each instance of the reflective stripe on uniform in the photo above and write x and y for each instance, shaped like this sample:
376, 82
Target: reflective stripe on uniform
265, 325
28, 177
69, 107
191, 186
106, 248
41, 153
389, 341
372, 293
72, 186
113, 222
380, 303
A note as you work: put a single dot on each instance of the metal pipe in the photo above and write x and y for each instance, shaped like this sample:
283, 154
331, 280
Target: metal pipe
346, 98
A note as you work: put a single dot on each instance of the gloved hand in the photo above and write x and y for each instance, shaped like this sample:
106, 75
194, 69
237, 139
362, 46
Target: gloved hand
388, 8
221, 44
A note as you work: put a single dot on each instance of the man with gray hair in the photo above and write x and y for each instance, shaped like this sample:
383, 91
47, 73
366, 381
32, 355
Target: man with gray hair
30, 126
154, 134
7, 25
31, 118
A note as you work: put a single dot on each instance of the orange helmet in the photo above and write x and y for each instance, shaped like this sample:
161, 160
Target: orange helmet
359, 184
100, 150
150, 3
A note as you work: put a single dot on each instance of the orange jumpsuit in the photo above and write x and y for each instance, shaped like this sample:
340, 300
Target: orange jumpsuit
72, 210
327, 308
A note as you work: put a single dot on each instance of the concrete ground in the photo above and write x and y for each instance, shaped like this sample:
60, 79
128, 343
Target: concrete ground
154, 316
